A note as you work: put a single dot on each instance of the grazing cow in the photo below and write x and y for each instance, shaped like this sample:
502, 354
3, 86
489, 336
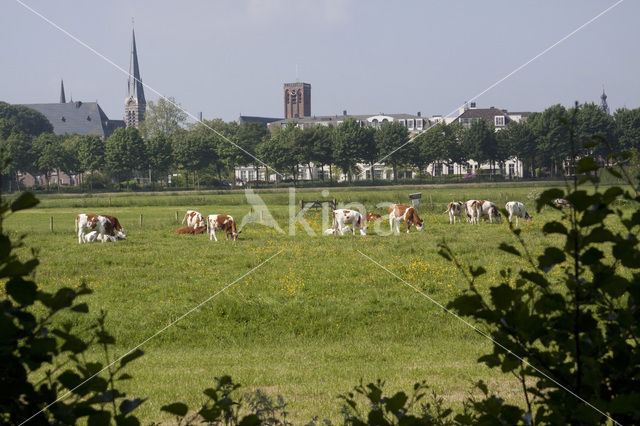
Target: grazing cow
517, 209
221, 222
86, 223
562, 203
455, 208
370, 217
190, 230
343, 216
332, 231
470, 208
488, 209
193, 218
399, 212
119, 231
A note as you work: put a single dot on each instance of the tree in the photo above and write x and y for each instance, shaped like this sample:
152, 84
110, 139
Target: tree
249, 136
124, 153
591, 120
49, 155
18, 148
322, 152
279, 150
160, 151
390, 138
627, 123
347, 139
517, 140
194, 151
162, 118
27, 120
480, 143
551, 137
369, 152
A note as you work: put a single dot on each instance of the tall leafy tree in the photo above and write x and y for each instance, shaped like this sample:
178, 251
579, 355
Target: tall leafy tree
164, 117
25, 119
389, 138
628, 128
551, 136
194, 151
160, 152
279, 150
592, 120
348, 137
518, 140
125, 153
49, 155
322, 152
249, 136
369, 152
480, 142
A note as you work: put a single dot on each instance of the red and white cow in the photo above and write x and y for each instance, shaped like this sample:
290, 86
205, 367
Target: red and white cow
190, 230
562, 203
372, 217
470, 209
342, 217
517, 209
193, 218
455, 209
86, 223
118, 230
92, 237
487, 209
399, 212
221, 222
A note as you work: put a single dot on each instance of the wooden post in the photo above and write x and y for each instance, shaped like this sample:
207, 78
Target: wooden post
51, 223
140, 221
176, 216
109, 201
301, 204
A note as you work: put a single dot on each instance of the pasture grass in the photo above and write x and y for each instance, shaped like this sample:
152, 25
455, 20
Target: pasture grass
310, 323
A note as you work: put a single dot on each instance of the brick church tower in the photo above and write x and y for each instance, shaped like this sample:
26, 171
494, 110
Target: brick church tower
297, 100
135, 104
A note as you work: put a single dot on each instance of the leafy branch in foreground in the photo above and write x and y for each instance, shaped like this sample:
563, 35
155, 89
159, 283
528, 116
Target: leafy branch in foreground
578, 335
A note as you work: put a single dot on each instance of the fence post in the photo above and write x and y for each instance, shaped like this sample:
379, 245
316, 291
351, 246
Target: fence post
176, 215
51, 223
140, 221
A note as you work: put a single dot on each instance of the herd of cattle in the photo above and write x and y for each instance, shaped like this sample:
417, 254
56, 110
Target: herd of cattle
105, 228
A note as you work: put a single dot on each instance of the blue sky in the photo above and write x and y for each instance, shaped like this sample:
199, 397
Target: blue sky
229, 57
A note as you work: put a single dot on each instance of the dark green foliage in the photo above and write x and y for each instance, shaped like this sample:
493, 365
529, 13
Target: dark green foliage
572, 342
390, 139
22, 119
35, 345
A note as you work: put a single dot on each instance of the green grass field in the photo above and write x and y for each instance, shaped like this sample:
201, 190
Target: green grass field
310, 323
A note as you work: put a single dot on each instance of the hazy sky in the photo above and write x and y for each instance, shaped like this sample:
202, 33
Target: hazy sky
230, 57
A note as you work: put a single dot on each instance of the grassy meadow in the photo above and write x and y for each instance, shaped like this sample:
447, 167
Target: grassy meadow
310, 323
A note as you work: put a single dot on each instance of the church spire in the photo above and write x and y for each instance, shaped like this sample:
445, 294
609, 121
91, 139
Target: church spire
135, 103
62, 97
603, 102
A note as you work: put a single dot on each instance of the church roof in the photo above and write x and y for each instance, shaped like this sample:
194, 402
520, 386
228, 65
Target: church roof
135, 89
82, 118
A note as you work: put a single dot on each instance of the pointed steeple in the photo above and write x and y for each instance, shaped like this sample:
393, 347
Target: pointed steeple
62, 97
603, 102
135, 102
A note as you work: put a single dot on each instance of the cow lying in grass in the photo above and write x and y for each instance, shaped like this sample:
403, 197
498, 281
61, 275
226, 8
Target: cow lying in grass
93, 236
185, 230
332, 231
371, 217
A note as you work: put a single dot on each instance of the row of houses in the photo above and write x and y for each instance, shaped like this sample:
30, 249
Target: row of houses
415, 124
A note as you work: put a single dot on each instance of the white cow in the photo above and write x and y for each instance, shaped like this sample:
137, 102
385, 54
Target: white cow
562, 203
470, 209
517, 209
477, 209
343, 216
93, 236
193, 218
332, 231
455, 208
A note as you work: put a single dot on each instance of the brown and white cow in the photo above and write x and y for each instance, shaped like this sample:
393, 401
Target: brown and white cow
562, 203
517, 209
92, 237
86, 223
371, 217
190, 230
399, 212
221, 222
342, 217
487, 209
118, 230
193, 218
455, 209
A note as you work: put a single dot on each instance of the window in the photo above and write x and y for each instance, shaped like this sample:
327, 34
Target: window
498, 120
419, 124
512, 169
450, 170
403, 122
243, 174
410, 123
377, 174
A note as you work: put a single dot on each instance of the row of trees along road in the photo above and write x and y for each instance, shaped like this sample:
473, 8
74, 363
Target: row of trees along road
208, 152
